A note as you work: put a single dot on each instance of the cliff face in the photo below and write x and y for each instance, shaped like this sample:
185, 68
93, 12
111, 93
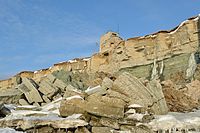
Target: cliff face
160, 55
119, 89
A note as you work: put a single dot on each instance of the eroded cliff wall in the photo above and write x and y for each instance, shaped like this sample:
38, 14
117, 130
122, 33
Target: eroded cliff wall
164, 55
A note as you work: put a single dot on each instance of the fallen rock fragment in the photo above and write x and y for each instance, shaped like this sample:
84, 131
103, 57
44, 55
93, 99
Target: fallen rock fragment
131, 87
30, 91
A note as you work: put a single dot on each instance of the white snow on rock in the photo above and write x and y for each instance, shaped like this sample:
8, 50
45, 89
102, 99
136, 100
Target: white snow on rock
35, 71
131, 111
9, 130
179, 27
72, 61
177, 121
136, 116
86, 59
74, 97
135, 106
96, 89
74, 116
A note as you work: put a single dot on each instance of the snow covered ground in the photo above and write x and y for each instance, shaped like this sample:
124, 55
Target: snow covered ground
175, 122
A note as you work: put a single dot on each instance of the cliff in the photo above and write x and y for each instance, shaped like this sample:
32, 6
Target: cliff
162, 54
128, 86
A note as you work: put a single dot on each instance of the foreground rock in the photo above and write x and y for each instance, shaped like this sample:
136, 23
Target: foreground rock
117, 106
55, 122
176, 122
151, 96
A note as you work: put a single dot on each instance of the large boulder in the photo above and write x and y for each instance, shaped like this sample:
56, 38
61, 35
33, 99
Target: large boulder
72, 105
9, 96
47, 88
94, 104
105, 106
150, 96
30, 90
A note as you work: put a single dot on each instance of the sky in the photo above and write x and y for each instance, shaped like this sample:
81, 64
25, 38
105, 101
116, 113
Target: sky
36, 34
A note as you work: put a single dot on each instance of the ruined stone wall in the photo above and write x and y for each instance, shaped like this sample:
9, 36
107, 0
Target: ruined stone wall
164, 52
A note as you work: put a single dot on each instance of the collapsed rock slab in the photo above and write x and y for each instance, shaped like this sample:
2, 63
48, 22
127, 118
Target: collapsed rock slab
47, 89
96, 90
94, 104
60, 84
72, 91
131, 87
107, 83
30, 91
46, 99
10, 96
51, 78
72, 105
23, 102
105, 106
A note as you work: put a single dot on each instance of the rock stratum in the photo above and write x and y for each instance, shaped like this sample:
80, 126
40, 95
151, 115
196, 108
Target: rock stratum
129, 86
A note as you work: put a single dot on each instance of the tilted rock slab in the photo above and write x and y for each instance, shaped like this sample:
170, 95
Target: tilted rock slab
137, 93
30, 91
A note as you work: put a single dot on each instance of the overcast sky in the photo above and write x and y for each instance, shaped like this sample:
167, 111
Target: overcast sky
35, 34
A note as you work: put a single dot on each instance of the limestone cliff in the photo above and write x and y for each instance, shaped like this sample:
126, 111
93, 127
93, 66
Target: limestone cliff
160, 55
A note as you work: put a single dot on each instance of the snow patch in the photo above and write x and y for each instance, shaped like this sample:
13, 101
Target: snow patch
74, 116
131, 111
72, 61
136, 116
74, 97
86, 59
35, 71
135, 106
179, 27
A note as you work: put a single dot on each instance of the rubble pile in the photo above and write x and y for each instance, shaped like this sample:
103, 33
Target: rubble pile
116, 105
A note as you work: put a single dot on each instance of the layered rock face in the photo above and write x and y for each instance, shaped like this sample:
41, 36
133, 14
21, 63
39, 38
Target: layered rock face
121, 89
165, 54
